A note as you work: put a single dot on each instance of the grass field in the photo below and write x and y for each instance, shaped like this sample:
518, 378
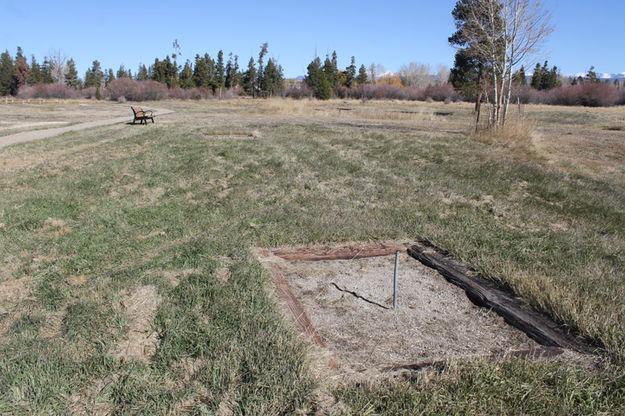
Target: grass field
128, 283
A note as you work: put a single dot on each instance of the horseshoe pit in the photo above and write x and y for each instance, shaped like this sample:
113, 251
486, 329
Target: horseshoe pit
341, 298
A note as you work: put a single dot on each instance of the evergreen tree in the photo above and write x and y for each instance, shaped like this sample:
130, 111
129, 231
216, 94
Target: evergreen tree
470, 66
467, 73
8, 85
317, 81
157, 71
123, 73
142, 73
46, 71
34, 75
71, 77
362, 75
200, 72
186, 76
94, 77
591, 76
220, 78
21, 68
521, 77
237, 74
273, 80
350, 73
250, 79
210, 67
537, 77
261, 69
171, 72
110, 76
330, 72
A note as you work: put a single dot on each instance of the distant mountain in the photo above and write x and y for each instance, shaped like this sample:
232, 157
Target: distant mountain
604, 76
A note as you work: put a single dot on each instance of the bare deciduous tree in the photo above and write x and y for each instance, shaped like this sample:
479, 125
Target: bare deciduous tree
58, 66
505, 33
442, 74
415, 74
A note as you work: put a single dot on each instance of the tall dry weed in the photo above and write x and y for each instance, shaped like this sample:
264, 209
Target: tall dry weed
518, 131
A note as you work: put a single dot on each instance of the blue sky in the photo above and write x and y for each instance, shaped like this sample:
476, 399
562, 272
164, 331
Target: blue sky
391, 33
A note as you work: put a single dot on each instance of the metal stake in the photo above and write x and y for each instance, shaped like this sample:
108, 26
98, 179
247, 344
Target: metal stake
395, 281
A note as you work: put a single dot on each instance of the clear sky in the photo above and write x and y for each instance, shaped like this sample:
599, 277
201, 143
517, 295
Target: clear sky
391, 32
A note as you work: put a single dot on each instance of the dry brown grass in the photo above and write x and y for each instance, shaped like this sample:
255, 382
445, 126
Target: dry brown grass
518, 131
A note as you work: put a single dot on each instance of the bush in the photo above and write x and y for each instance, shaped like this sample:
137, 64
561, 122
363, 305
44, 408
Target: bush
47, 91
589, 94
141, 90
441, 92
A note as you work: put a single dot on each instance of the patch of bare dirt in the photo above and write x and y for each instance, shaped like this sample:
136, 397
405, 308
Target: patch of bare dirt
174, 277
88, 400
12, 292
223, 274
76, 280
141, 341
54, 227
350, 305
53, 325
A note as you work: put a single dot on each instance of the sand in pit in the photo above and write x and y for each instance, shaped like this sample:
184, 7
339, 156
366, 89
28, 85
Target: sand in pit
434, 319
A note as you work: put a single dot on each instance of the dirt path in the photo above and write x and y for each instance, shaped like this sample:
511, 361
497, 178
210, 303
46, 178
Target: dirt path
28, 136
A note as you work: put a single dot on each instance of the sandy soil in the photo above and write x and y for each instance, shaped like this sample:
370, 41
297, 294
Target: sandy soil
434, 319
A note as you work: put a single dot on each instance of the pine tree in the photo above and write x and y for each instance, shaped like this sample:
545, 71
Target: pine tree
220, 78
537, 77
466, 74
317, 81
34, 75
250, 78
71, 77
8, 85
186, 76
273, 80
21, 69
350, 73
591, 76
362, 75
110, 77
237, 74
94, 77
170, 70
210, 70
123, 73
46, 71
157, 71
142, 73
261, 69
330, 72
522, 77
200, 72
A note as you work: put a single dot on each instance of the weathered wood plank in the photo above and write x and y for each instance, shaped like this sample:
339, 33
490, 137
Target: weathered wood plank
347, 252
544, 352
486, 293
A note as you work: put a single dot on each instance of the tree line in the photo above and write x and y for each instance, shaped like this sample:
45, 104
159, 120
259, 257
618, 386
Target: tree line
262, 77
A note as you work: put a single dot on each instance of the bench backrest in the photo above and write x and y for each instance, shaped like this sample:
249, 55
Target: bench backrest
137, 110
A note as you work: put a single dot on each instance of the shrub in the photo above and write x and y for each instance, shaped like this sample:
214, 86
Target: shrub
441, 92
87, 92
47, 91
303, 91
142, 90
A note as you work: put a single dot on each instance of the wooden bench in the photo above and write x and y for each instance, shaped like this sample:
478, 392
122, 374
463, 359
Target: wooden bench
141, 115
